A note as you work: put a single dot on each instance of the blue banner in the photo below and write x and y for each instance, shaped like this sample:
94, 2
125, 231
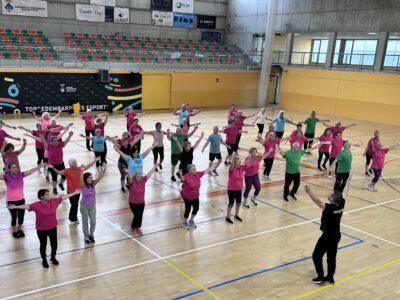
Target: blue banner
211, 36
183, 20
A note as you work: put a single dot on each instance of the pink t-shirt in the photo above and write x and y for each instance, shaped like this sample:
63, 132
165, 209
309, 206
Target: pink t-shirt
56, 154
137, 191
337, 145
271, 144
101, 127
130, 118
134, 130
46, 213
9, 158
3, 136
38, 134
55, 129
255, 165
335, 130
185, 129
88, 119
15, 186
325, 147
240, 122
232, 113
268, 132
235, 181
378, 160
295, 139
46, 123
231, 134
191, 186
372, 145
294, 132
158, 138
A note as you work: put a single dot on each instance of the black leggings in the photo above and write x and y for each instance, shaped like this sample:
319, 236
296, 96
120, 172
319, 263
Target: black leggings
279, 134
73, 211
320, 155
368, 159
308, 144
234, 196
327, 243
156, 152
288, 181
137, 146
53, 173
17, 215
88, 143
188, 207
331, 159
42, 235
268, 162
102, 156
341, 181
137, 211
40, 156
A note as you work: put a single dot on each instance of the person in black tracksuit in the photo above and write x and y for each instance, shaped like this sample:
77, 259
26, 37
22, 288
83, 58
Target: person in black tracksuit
329, 240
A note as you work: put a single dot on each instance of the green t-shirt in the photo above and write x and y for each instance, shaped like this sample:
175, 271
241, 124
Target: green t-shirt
344, 161
181, 139
311, 123
293, 161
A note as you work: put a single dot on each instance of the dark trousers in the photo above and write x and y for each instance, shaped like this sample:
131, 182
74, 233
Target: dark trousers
268, 162
289, 178
328, 244
105, 151
17, 215
158, 151
137, 146
377, 175
189, 204
279, 134
341, 181
102, 156
320, 155
73, 211
137, 211
308, 144
40, 155
52, 235
250, 181
88, 144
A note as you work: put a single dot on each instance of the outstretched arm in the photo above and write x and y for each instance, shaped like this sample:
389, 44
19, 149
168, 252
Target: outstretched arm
205, 145
61, 173
25, 129
70, 134
67, 196
33, 170
198, 141
106, 119
145, 153
8, 126
123, 155
86, 137
100, 176
209, 169
85, 168
314, 198
351, 125
193, 131
22, 149
394, 146
148, 175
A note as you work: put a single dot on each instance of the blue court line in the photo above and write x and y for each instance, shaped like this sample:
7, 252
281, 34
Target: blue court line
263, 271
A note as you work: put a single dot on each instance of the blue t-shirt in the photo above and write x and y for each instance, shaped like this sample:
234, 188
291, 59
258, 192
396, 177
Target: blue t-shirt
279, 124
98, 143
215, 143
135, 165
182, 115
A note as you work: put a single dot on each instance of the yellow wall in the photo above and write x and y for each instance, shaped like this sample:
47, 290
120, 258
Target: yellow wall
357, 95
169, 89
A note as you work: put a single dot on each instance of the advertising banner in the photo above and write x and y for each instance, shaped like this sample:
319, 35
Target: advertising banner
121, 15
183, 20
103, 2
165, 5
31, 8
211, 36
208, 22
109, 14
183, 6
162, 18
91, 13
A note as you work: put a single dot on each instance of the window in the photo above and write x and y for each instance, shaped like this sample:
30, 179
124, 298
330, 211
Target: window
319, 49
392, 55
355, 52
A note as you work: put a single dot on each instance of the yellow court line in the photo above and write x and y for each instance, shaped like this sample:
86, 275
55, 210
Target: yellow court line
124, 98
191, 279
349, 278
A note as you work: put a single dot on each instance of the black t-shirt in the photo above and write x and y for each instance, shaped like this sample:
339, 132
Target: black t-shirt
186, 157
331, 216
127, 151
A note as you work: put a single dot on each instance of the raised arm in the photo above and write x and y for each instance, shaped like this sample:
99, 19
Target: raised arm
67, 196
209, 169
58, 114
33, 170
326, 125
25, 129
22, 149
195, 112
86, 137
85, 168
394, 146
106, 119
8, 126
70, 134
175, 140
123, 155
145, 153
314, 198
351, 125
100, 176
198, 141
193, 131
148, 175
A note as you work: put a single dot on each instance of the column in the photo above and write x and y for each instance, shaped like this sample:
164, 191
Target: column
289, 48
331, 49
267, 55
381, 50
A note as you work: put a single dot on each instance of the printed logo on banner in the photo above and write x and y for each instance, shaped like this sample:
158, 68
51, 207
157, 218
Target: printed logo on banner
208, 22
183, 6
162, 18
90, 13
165, 5
109, 14
183, 20
121, 15
31, 8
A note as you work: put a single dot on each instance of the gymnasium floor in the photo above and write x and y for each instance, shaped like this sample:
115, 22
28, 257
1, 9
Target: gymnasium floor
265, 257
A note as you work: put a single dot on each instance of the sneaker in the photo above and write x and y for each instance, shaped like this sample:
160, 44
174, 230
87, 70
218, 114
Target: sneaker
371, 172
210, 173
160, 166
139, 231
293, 196
123, 189
330, 280
21, 233
324, 167
61, 186
228, 220
215, 173
225, 163
45, 264
54, 261
266, 178
55, 191
87, 241
285, 198
127, 186
320, 169
192, 224
75, 222
39, 171
318, 280
185, 225
173, 178
16, 235
246, 205
238, 218
371, 188
366, 173
91, 238
253, 200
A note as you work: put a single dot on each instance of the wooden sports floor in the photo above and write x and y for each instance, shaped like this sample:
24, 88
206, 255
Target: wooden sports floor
268, 256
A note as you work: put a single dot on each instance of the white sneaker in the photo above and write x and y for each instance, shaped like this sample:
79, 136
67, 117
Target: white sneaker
372, 188
185, 225
215, 173
210, 173
266, 178
192, 224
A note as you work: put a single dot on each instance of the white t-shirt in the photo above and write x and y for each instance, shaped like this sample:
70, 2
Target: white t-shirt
260, 118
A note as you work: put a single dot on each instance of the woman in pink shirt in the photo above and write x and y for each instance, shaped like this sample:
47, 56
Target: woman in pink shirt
369, 152
323, 150
134, 130
130, 117
336, 147
158, 141
190, 193
39, 146
46, 118
56, 159
232, 112
10, 156
89, 117
137, 189
378, 162
46, 221
337, 128
270, 144
235, 187
232, 132
298, 137
15, 195
4, 135
251, 178
239, 121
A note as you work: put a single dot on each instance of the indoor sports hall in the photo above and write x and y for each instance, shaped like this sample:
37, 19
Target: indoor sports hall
199, 149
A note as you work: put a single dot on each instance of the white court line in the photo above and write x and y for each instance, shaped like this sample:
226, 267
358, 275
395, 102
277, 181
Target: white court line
196, 249
374, 236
